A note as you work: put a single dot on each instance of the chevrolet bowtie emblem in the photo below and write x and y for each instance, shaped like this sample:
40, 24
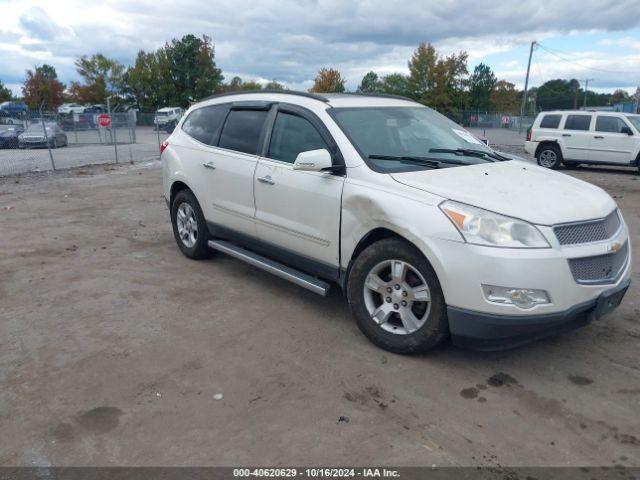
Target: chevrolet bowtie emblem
615, 246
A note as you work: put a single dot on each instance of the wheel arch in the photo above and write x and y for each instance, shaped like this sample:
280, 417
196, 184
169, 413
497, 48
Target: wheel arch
545, 143
178, 186
375, 235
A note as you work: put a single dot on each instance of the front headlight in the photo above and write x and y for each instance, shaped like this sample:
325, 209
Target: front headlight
482, 227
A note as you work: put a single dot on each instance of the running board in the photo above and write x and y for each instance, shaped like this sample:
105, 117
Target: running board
279, 270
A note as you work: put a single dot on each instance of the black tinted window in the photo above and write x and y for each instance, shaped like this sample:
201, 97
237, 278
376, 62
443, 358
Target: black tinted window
577, 122
609, 124
204, 123
291, 135
550, 121
242, 130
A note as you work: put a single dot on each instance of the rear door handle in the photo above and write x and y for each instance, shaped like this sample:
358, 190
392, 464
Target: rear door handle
209, 165
566, 134
268, 180
598, 136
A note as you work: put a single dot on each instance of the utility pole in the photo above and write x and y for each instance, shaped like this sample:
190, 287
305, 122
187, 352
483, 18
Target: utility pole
526, 86
586, 89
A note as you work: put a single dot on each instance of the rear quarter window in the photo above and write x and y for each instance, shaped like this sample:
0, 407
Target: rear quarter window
204, 124
550, 121
577, 122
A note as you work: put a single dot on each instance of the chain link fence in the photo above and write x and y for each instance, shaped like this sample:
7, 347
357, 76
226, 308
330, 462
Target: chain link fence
43, 141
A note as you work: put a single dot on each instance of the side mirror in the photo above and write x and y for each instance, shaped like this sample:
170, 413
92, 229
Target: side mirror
626, 130
313, 160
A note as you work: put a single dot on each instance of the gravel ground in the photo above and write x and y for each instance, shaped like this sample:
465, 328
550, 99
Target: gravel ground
117, 350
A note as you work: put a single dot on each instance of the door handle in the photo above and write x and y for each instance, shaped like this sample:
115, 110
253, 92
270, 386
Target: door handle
598, 136
209, 165
566, 134
266, 180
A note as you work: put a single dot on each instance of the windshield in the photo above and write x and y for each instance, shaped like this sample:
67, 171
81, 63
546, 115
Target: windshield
402, 133
635, 120
37, 128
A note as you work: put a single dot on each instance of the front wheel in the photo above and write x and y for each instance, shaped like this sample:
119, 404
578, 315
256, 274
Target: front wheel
396, 298
189, 226
549, 156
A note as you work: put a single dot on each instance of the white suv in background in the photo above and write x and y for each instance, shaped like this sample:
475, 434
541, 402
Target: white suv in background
575, 137
168, 117
428, 231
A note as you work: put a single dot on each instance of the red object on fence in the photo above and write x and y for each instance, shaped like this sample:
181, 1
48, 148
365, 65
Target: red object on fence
104, 120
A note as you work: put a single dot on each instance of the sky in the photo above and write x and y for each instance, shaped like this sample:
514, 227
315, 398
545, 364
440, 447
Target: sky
290, 40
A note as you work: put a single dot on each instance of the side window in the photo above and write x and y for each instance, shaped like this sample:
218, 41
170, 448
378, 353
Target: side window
204, 123
577, 122
242, 130
550, 121
609, 124
291, 135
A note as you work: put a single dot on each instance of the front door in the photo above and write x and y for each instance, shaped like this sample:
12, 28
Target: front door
610, 144
296, 210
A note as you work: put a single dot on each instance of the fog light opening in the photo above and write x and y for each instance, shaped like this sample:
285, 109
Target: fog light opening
524, 298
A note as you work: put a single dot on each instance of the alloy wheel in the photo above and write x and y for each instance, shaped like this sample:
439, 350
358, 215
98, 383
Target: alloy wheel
397, 297
187, 225
548, 158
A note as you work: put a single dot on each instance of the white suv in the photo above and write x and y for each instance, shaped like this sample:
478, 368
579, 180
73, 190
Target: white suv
427, 231
168, 117
575, 137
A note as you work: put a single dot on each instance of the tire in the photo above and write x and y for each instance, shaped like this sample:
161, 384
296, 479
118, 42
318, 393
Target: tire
428, 326
192, 242
549, 156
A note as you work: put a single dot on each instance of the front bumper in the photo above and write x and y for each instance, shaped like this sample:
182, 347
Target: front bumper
484, 331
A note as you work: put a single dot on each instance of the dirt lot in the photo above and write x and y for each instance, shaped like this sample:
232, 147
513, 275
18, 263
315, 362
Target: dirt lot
114, 349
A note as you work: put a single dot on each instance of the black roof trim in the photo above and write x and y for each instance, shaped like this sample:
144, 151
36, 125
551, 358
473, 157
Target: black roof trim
381, 95
315, 96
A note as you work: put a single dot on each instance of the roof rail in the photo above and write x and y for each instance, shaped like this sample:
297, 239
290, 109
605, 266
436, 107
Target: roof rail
315, 96
382, 95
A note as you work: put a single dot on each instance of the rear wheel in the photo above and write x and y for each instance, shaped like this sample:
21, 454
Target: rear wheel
189, 226
396, 298
549, 156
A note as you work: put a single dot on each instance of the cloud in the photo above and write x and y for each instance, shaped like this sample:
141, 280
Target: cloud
37, 24
289, 40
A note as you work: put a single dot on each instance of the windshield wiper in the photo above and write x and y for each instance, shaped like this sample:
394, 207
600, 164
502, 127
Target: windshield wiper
469, 152
427, 161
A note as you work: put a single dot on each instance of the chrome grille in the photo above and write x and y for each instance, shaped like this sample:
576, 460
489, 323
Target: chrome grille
601, 268
587, 232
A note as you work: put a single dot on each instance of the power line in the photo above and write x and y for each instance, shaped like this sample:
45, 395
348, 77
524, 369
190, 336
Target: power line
580, 64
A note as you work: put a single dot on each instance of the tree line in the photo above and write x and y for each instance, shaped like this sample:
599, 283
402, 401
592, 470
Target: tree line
184, 71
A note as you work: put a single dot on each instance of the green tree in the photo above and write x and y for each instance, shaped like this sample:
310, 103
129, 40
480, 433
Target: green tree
328, 80
181, 72
42, 86
481, 83
102, 77
370, 83
620, 96
422, 71
504, 97
192, 69
447, 94
395, 84
5, 93
559, 94
273, 85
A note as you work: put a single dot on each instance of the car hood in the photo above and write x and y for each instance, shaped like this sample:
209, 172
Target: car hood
517, 189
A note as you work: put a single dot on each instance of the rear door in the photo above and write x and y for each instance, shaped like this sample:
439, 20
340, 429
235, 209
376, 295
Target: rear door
576, 136
296, 210
232, 165
610, 144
